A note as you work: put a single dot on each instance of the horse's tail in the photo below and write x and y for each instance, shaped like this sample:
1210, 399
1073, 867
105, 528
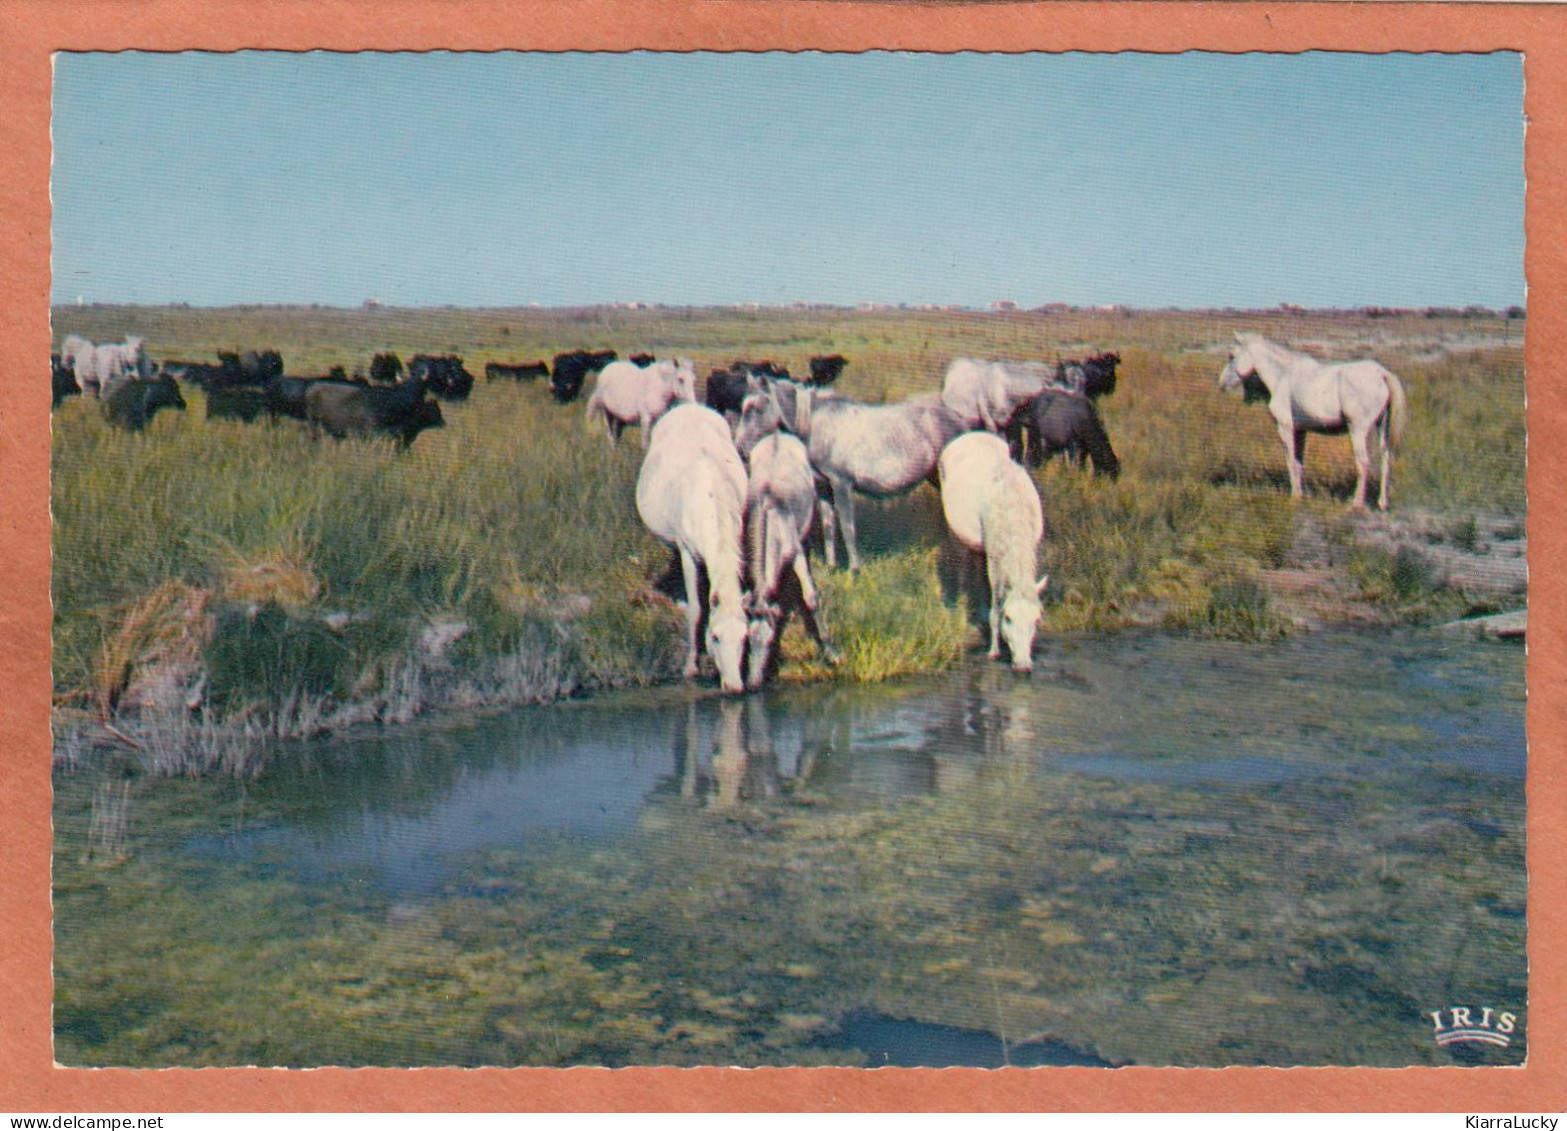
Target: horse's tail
1397, 414
595, 407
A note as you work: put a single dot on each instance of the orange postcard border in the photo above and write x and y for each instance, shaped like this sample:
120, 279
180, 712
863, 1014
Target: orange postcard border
30, 30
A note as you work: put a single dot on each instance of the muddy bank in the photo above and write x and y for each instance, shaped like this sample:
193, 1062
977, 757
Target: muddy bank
1437, 567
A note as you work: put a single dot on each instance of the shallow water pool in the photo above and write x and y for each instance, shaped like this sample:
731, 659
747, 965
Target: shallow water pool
1154, 850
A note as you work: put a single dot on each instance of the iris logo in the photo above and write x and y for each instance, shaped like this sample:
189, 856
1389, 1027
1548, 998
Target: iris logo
1460, 1024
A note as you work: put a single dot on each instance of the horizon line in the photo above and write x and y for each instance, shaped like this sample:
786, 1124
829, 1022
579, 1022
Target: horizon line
869, 307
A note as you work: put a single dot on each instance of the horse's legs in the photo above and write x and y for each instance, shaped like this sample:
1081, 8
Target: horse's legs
1360, 441
843, 499
1014, 434
810, 605
1387, 460
1288, 436
695, 604
828, 517
995, 608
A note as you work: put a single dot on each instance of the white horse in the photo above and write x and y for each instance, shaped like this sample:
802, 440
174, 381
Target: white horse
879, 450
94, 367
992, 508
779, 507
627, 393
986, 394
1307, 395
691, 493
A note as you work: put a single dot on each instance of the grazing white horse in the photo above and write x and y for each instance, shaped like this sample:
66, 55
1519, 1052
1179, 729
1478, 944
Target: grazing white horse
879, 450
1307, 395
627, 393
779, 507
992, 508
986, 394
691, 493
94, 367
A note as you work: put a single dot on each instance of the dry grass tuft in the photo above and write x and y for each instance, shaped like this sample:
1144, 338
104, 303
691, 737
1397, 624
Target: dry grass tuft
170, 624
281, 575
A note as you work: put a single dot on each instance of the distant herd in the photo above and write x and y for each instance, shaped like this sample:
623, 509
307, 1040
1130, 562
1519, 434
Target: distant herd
736, 480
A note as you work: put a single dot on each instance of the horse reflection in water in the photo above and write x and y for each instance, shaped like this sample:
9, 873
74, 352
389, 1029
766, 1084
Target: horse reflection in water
853, 744
734, 759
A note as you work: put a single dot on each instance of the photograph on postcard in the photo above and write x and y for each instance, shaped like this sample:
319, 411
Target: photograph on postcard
788, 559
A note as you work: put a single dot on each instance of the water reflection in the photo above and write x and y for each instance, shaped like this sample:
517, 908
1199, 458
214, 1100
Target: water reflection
1152, 848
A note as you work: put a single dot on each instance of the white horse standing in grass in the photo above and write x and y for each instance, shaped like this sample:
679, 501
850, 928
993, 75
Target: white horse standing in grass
992, 508
1307, 395
627, 393
779, 508
94, 367
691, 493
986, 394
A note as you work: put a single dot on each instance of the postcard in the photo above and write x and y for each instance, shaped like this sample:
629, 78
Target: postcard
855, 540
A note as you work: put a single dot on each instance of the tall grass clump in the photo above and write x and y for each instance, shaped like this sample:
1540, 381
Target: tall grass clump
890, 619
1464, 447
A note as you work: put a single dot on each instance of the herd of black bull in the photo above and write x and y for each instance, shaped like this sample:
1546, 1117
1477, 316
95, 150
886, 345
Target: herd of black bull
402, 402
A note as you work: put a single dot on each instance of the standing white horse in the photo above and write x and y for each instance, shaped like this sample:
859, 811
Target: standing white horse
94, 367
986, 394
779, 507
691, 493
628, 393
1307, 395
992, 508
881, 450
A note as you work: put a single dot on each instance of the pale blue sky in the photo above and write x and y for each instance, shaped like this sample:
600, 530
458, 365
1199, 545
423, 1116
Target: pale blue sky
505, 179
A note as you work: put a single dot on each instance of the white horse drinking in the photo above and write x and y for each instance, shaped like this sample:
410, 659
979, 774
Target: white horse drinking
691, 493
992, 508
779, 507
627, 393
879, 450
94, 367
1307, 395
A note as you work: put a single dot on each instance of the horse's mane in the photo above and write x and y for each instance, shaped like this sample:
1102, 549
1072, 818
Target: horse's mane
1278, 351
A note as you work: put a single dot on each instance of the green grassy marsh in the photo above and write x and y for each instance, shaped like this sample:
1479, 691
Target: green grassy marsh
501, 560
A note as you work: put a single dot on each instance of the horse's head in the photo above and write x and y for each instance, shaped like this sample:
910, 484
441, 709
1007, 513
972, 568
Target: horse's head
727, 633
1241, 373
136, 357
760, 417
1020, 617
682, 378
1099, 374
761, 635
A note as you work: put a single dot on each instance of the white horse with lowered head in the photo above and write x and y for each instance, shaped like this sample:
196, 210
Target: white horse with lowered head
691, 494
992, 508
779, 508
628, 393
1307, 395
